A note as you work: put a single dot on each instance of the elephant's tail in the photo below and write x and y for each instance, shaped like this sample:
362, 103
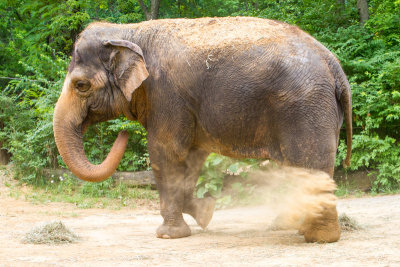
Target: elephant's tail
343, 94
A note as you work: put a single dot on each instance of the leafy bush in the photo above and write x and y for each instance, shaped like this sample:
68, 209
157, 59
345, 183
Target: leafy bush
373, 68
28, 131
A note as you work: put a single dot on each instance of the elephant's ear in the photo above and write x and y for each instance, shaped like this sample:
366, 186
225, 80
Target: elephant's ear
128, 65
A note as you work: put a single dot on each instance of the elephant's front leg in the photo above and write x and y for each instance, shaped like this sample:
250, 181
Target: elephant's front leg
170, 180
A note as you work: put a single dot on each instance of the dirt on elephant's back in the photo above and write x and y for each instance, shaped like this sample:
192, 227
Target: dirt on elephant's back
213, 33
235, 237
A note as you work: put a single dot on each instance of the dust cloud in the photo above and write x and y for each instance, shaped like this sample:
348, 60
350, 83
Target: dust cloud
292, 194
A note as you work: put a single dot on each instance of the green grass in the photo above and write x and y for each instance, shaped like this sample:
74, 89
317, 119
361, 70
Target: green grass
386, 192
84, 195
345, 190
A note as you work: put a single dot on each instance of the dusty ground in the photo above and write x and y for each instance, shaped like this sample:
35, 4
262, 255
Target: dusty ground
235, 237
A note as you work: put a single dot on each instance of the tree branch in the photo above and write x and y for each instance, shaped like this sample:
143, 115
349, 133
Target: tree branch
21, 79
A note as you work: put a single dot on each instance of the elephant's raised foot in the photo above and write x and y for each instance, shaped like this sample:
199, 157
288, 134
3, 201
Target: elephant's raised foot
171, 231
201, 209
323, 229
205, 211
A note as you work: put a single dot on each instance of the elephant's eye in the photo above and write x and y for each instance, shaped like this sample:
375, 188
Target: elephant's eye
82, 86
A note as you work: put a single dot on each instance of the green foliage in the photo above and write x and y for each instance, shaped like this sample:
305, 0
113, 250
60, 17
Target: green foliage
36, 37
27, 114
215, 169
373, 68
99, 139
211, 180
385, 22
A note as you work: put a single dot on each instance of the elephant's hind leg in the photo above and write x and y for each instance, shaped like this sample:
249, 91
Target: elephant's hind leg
201, 209
318, 153
322, 229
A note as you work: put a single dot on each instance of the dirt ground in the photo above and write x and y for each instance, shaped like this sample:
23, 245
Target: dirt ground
235, 237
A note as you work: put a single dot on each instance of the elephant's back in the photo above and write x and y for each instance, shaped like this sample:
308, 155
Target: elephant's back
216, 33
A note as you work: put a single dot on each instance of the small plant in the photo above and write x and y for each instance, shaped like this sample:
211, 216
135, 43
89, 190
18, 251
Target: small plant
215, 169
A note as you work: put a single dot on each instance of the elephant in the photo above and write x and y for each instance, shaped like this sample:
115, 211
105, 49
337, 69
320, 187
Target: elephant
238, 86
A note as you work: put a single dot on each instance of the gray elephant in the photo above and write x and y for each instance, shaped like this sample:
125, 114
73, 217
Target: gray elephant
242, 87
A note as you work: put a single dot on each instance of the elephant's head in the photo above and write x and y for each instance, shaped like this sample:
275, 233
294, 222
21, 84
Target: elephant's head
101, 78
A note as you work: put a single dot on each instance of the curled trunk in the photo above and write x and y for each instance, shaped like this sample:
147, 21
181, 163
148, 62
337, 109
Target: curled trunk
68, 137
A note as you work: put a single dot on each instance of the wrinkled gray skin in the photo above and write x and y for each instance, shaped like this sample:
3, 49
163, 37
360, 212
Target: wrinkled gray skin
241, 87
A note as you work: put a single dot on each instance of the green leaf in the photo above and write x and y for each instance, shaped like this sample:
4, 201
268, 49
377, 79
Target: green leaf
234, 167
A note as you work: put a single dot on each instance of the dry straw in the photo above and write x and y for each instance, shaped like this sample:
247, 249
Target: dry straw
52, 233
348, 224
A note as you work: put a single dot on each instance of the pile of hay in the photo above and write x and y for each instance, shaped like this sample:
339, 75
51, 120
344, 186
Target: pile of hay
50, 233
348, 224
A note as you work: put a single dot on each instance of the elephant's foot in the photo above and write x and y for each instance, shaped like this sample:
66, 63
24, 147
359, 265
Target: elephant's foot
205, 211
302, 229
322, 229
168, 231
202, 210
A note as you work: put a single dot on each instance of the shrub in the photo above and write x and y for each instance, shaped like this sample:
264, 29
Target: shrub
373, 69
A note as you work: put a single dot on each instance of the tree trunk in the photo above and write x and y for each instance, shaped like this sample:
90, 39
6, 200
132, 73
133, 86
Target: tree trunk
154, 9
341, 3
4, 156
362, 6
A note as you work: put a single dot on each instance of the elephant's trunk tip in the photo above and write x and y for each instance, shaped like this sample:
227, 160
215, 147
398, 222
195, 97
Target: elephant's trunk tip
346, 163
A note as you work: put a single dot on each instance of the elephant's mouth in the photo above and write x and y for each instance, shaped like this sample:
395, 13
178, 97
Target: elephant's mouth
94, 117
129, 115
85, 125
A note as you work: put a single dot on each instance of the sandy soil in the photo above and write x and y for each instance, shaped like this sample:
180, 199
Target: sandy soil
235, 237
